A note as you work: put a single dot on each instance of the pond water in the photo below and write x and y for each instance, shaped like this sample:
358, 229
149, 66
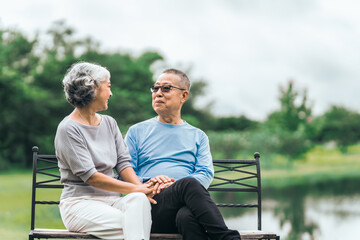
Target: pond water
328, 211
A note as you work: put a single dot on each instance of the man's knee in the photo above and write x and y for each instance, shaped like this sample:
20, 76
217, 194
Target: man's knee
184, 216
190, 181
190, 184
189, 226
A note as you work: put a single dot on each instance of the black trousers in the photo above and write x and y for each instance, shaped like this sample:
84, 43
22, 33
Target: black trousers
186, 207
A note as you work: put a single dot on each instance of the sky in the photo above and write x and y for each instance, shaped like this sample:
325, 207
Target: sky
244, 49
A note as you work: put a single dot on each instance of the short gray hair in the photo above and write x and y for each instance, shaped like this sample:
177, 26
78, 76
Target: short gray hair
184, 79
80, 81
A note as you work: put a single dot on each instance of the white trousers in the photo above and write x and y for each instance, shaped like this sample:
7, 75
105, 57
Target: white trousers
112, 218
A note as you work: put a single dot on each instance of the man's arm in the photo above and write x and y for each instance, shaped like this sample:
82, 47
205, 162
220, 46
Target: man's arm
160, 182
204, 169
130, 141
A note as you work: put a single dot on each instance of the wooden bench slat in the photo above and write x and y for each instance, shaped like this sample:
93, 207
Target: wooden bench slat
257, 235
62, 233
59, 233
164, 236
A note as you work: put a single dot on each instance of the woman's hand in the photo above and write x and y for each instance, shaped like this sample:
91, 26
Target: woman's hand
146, 188
142, 188
129, 175
107, 183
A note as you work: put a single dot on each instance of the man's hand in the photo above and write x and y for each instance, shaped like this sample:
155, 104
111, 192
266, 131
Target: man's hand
161, 182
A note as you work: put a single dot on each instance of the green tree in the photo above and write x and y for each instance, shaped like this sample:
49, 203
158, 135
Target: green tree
131, 80
201, 118
337, 124
241, 123
17, 96
291, 115
32, 98
289, 126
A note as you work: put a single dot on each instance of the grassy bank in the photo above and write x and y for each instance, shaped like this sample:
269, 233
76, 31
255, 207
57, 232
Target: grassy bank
15, 197
320, 164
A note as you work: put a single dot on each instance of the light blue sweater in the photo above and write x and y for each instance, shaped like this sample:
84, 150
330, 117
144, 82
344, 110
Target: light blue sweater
176, 151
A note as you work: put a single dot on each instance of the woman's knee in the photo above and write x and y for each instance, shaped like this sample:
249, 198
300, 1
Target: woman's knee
139, 195
138, 198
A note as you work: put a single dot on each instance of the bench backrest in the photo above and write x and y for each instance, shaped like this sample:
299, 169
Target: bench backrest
230, 176
43, 166
238, 176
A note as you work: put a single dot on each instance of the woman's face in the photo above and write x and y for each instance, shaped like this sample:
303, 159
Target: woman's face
103, 93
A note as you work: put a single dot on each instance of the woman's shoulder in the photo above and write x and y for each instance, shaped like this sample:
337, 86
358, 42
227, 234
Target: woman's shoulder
108, 119
109, 122
66, 123
67, 126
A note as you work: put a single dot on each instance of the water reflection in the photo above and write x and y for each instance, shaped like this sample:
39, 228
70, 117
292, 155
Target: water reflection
328, 211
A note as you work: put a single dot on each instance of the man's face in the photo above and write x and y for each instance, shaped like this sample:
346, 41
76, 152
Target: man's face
172, 101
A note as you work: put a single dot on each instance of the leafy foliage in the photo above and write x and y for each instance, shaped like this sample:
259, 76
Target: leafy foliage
338, 124
291, 116
32, 101
241, 123
288, 126
17, 98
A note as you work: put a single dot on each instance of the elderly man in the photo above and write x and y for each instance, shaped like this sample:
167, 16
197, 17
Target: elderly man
176, 157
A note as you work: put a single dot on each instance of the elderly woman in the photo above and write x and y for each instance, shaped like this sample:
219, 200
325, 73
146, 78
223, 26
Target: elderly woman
89, 146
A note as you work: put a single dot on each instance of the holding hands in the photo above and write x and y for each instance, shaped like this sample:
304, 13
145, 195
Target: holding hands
153, 186
148, 189
156, 185
161, 182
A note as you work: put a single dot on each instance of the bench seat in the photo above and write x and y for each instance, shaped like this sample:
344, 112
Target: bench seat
231, 176
62, 233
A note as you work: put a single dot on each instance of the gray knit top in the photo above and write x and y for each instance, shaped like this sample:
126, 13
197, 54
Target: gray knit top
83, 150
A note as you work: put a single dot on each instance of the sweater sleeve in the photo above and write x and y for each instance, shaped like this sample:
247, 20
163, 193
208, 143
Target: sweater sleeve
204, 169
73, 154
131, 142
122, 152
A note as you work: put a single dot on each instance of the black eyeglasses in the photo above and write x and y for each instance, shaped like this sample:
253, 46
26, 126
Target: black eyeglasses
164, 88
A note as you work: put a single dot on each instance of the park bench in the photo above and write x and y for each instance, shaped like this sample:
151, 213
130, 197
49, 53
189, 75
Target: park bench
231, 176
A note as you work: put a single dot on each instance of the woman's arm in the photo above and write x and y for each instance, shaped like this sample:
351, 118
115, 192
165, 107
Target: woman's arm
107, 183
128, 175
